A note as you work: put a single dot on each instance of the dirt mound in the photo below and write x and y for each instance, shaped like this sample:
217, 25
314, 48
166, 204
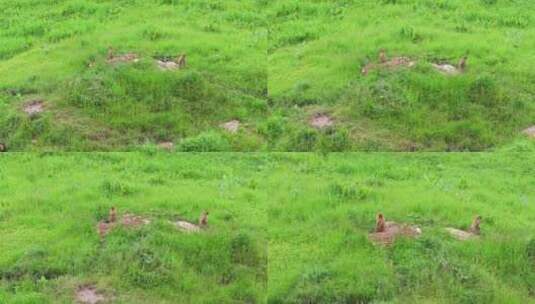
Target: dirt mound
231, 126
399, 62
34, 107
167, 65
125, 58
461, 234
472, 232
384, 63
104, 227
321, 121
128, 220
187, 226
392, 64
393, 231
166, 145
89, 295
134, 221
530, 132
446, 69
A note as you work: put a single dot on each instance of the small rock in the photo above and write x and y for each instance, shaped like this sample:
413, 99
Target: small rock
231, 126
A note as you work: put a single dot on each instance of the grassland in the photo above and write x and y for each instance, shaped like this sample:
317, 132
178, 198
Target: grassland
271, 65
318, 48
284, 228
51, 204
56, 51
324, 207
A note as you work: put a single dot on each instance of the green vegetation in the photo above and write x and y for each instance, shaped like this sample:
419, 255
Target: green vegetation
50, 206
57, 51
283, 228
324, 207
272, 65
318, 48
136, 77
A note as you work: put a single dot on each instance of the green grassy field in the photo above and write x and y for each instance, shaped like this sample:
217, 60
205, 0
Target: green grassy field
324, 207
271, 65
270, 77
284, 228
57, 50
51, 204
318, 48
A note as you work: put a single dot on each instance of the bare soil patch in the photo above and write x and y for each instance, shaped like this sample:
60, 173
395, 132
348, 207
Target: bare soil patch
167, 64
393, 231
166, 145
125, 58
530, 132
187, 226
461, 234
395, 63
34, 108
321, 120
104, 228
128, 220
89, 295
446, 68
134, 221
399, 62
385, 63
472, 232
231, 126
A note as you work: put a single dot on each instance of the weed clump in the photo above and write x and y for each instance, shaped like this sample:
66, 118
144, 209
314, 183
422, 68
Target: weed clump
204, 142
273, 128
146, 269
348, 191
244, 250
115, 188
303, 140
321, 284
33, 265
